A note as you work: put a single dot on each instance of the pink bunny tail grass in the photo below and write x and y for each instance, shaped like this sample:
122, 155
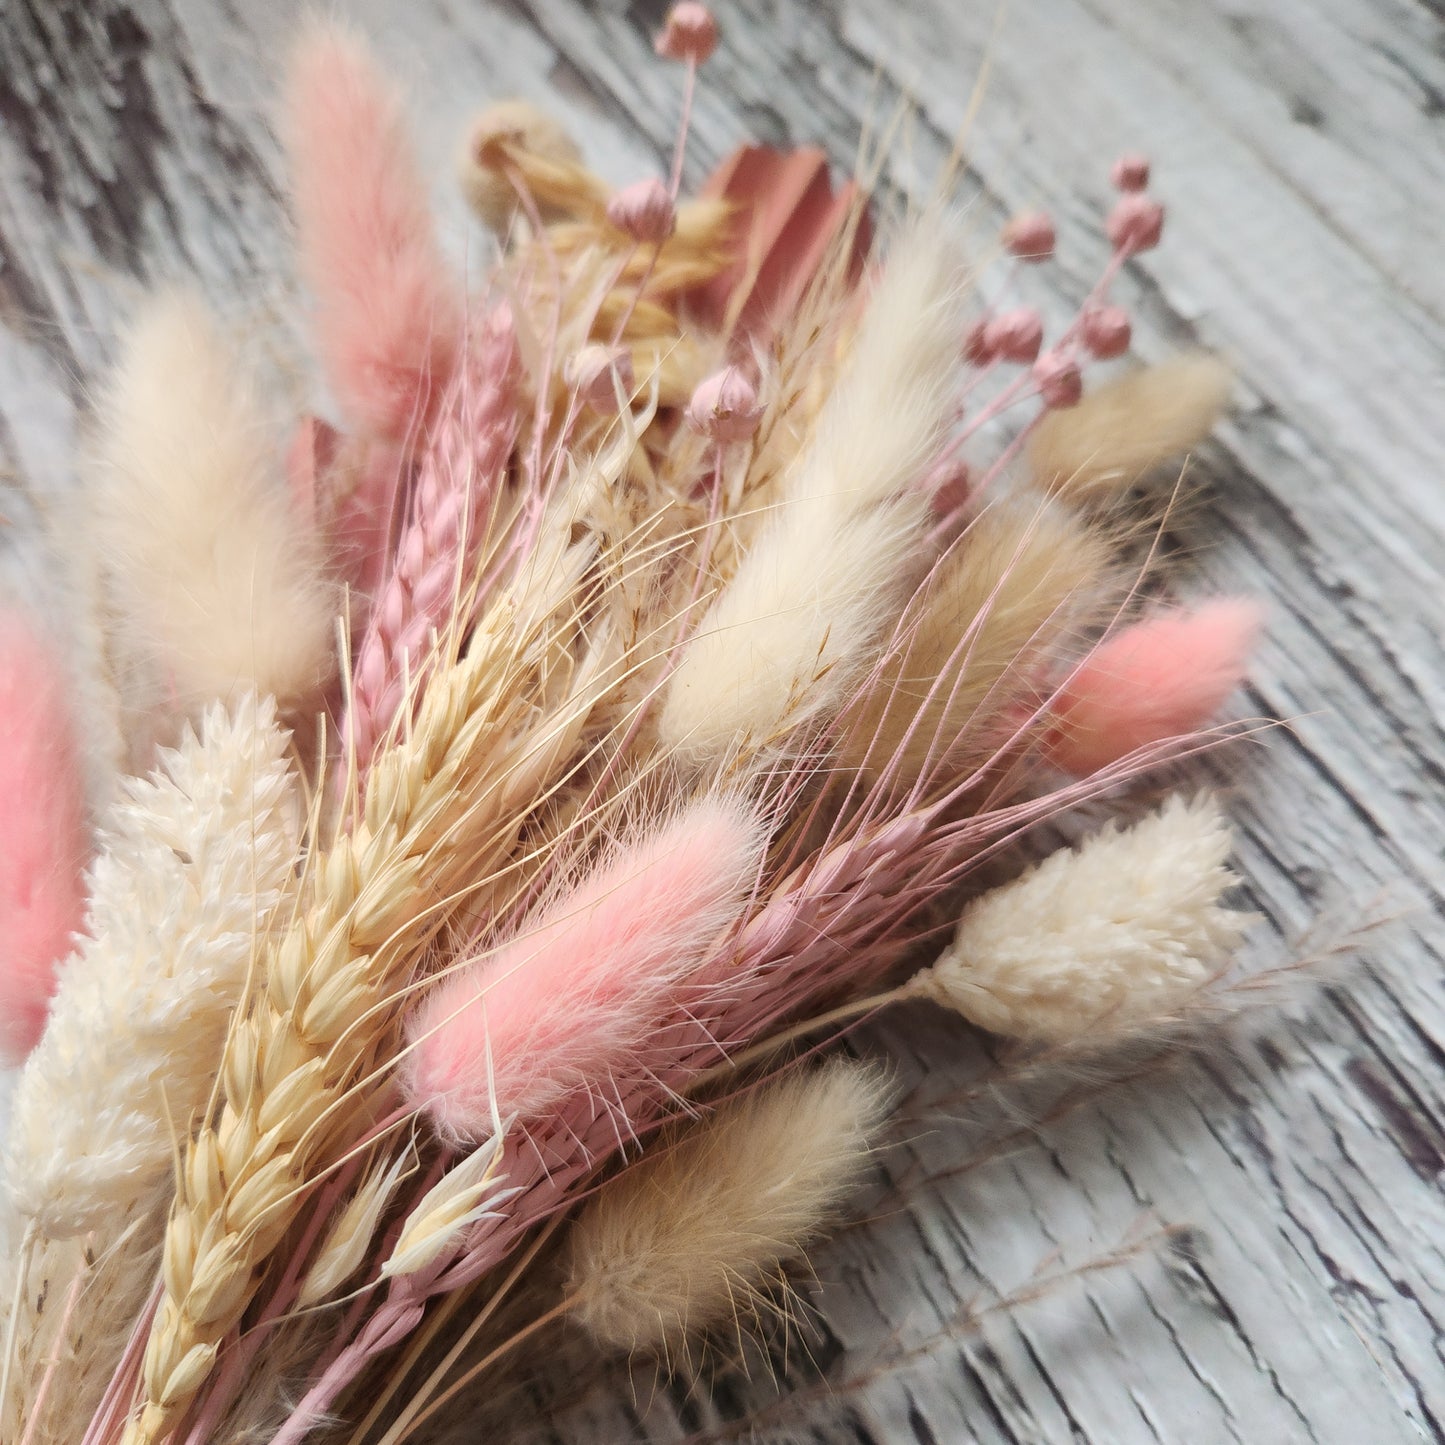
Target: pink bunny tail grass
390, 320
1160, 678
43, 842
567, 1004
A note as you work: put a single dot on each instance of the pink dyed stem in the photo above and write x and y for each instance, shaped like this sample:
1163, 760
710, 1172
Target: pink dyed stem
391, 1322
388, 1326
679, 150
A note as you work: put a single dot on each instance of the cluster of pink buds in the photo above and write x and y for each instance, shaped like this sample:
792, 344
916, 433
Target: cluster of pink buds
1014, 336
1102, 330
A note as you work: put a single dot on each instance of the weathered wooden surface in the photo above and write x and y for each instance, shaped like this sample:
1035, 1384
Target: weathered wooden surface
1299, 145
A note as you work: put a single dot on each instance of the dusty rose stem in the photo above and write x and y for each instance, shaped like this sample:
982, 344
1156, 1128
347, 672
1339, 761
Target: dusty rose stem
679, 150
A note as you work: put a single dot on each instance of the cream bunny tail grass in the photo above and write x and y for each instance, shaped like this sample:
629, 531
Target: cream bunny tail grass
219, 584
1112, 934
783, 646
677, 1242
802, 618
888, 414
193, 864
439, 808
1093, 451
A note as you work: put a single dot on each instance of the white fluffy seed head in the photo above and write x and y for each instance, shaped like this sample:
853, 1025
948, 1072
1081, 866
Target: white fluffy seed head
885, 419
802, 619
787, 641
1115, 933
682, 1239
220, 587
193, 863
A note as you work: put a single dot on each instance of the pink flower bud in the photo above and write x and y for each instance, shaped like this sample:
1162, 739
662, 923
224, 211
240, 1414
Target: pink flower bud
1106, 330
597, 373
644, 210
1135, 223
1059, 379
978, 349
1130, 172
725, 406
1030, 236
1015, 335
689, 33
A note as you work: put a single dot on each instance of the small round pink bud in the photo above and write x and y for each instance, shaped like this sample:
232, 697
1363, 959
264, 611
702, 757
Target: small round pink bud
1059, 379
644, 210
1106, 330
978, 349
1130, 172
597, 373
725, 406
1135, 223
1030, 236
1015, 335
688, 33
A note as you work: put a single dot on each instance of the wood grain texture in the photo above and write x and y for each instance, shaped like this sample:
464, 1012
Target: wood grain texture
1298, 144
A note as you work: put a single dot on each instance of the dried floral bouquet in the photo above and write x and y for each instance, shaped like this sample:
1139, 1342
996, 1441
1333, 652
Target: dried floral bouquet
520, 783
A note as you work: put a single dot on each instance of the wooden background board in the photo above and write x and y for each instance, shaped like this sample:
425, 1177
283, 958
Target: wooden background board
1298, 144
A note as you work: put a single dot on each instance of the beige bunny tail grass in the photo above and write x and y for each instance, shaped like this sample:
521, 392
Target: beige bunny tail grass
675, 1243
440, 806
1094, 451
218, 584
193, 864
1101, 938
1019, 582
